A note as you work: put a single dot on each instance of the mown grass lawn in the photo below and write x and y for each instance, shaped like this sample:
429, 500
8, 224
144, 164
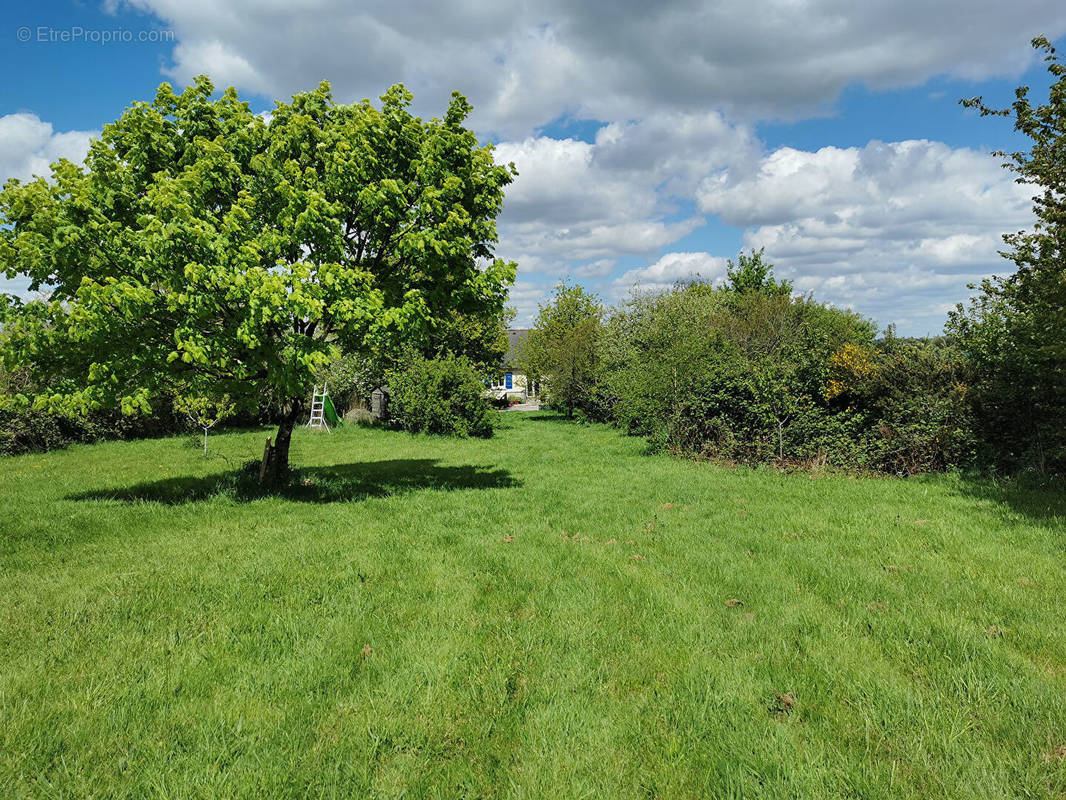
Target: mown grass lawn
550, 613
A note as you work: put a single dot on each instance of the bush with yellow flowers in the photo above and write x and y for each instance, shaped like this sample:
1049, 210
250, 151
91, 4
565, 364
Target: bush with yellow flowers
849, 368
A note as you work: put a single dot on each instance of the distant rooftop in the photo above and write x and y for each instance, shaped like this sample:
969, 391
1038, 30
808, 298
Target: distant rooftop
515, 337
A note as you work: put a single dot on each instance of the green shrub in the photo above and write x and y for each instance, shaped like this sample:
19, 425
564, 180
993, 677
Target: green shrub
1017, 386
23, 430
730, 373
755, 375
441, 395
917, 400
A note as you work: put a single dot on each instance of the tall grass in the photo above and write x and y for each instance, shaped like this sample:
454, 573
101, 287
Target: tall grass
549, 613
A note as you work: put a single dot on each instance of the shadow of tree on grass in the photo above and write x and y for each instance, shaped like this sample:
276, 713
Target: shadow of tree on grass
338, 483
1039, 500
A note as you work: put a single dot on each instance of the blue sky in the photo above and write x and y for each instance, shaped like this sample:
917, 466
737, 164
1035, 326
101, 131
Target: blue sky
651, 145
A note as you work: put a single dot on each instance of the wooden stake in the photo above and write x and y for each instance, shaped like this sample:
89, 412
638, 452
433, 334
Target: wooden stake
266, 465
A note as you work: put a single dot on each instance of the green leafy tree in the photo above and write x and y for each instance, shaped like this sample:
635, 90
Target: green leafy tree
481, 338
752, 274
1014, 332
204, 248
561, 348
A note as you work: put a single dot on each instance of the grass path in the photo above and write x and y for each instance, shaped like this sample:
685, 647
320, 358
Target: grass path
545, 614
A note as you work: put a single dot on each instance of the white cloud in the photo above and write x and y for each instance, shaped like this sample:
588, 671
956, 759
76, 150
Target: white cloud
28, 146
670, 269
600, 268
628, 192
896, 230
523, 64
217, 58
893, 229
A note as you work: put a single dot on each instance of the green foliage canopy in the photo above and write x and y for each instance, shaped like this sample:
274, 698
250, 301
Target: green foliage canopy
205, 247
735, 371
1014, 331
562, 346
751, 274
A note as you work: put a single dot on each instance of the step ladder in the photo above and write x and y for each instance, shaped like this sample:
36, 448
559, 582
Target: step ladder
318, 407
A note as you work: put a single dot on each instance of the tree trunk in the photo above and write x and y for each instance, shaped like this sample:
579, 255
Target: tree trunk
281, 446
276, 460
